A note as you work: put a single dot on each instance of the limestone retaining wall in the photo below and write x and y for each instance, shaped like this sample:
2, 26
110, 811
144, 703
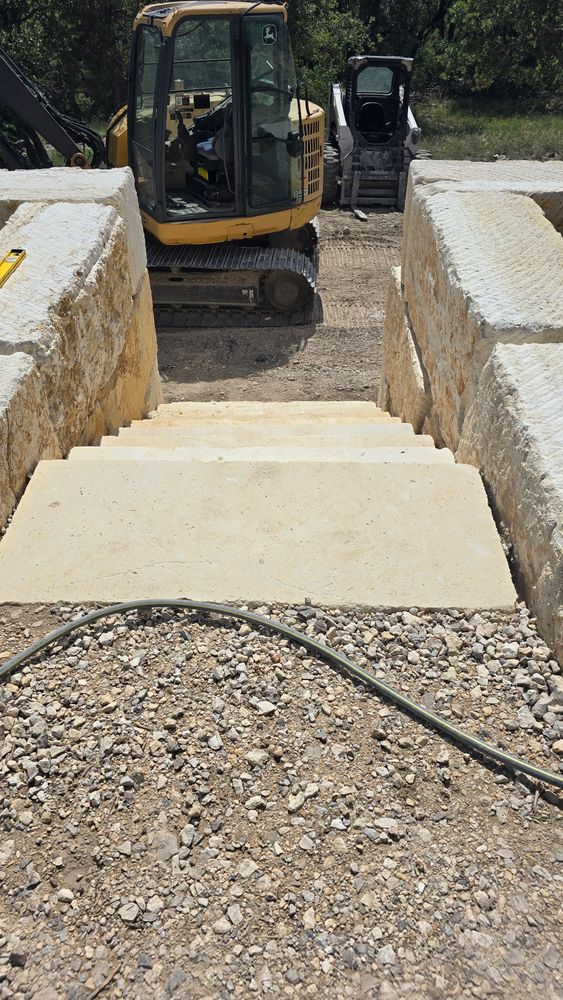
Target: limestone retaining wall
514, 434
404, 389
78, 354
473, 346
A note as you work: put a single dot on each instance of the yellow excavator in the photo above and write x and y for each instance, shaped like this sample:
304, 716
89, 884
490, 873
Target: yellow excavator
227, 157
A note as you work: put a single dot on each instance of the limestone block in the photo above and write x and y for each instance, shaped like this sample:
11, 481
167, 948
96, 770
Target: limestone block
69, 305
481, 267
404, 390
134, 388
505, 172
543, 182
523, 176
65, 184
347, 534
514, 434
26, 432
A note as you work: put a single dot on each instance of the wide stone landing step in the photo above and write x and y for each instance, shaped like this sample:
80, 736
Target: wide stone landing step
346, 519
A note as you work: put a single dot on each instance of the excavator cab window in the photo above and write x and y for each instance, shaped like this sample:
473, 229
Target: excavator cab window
275, 155
147, 54
199, 147
220, 96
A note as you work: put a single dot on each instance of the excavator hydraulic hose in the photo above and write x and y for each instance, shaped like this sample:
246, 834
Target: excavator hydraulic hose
338, 660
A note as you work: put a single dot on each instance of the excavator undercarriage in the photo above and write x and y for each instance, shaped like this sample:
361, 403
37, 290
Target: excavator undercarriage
235, 284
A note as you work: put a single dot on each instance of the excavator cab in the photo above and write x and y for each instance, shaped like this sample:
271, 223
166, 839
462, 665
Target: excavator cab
215, 126
227, 158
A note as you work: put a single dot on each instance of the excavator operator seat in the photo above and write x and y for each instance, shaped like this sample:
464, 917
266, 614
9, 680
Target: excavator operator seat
219, 148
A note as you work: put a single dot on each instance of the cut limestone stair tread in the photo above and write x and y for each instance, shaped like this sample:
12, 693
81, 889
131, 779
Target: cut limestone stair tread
280, 453
358, 409
351, 435
245, 420
342, 534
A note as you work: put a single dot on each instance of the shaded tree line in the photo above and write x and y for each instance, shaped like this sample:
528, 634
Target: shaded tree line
78, 52
512, 48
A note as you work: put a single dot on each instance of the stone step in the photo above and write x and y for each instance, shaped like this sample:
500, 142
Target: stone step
242, 420
342, 534
228, 435
252, 410
157, 419
281, 453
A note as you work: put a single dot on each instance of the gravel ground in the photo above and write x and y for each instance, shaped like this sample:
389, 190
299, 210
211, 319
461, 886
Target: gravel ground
202, 810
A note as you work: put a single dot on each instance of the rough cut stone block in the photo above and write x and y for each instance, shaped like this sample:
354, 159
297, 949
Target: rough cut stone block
506, 172
514, 434
543, 182
481, 267
26, 432
403, 390
134, 388
64, 184
69, 304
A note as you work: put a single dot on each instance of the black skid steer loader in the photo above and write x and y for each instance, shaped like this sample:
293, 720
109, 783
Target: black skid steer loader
372, 134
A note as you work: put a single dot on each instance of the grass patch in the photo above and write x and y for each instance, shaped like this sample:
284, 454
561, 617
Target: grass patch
475, 129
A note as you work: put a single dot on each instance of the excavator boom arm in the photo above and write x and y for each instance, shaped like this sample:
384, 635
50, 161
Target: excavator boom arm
37, 119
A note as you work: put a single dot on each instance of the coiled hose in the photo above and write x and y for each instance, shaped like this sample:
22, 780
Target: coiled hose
330, 655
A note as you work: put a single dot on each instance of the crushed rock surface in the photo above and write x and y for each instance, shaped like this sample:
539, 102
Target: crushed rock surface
192, 808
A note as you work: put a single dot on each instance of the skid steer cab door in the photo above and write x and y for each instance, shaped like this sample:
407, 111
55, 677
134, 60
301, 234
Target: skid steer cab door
377, 99
214, 121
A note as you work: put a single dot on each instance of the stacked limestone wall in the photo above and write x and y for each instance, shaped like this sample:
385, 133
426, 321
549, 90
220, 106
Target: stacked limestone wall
473, 346
78, 353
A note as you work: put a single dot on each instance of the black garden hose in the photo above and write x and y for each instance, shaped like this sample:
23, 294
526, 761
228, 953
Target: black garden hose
332, 656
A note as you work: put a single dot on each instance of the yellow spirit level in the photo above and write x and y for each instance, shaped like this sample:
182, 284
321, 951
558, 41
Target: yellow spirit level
9, 263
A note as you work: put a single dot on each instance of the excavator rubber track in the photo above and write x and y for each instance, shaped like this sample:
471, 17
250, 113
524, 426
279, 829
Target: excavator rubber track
232, 285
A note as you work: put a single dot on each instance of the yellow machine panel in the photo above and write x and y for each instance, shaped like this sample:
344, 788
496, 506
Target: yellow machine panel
116, 140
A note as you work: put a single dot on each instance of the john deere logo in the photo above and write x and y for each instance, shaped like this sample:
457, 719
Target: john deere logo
269, 34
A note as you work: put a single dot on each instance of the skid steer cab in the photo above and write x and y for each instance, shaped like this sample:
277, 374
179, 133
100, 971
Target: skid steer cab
372, 134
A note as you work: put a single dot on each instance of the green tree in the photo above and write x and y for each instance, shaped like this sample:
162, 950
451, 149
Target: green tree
78, 53
516, 45
323, 36
400, 27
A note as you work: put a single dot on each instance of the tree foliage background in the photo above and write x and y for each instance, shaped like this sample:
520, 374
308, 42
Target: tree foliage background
78, 52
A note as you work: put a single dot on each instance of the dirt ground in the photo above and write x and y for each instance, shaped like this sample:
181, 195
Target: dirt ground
336, 358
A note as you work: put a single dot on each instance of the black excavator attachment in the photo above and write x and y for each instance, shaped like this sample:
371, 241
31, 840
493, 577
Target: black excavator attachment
29, 124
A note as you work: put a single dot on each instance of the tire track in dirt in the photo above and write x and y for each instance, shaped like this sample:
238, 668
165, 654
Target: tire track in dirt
336, 358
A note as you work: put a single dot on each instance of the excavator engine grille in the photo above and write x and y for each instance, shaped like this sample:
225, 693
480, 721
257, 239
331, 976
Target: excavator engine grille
313, 155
